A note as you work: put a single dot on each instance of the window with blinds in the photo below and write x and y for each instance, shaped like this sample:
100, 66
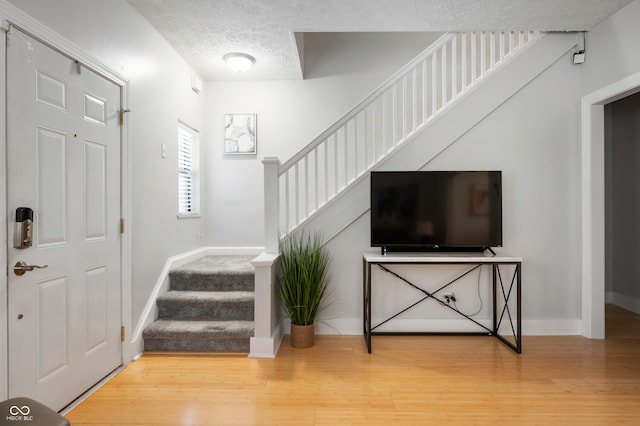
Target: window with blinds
188, 180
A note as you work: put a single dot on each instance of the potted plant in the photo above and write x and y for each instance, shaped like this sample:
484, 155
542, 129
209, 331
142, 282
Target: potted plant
302, 283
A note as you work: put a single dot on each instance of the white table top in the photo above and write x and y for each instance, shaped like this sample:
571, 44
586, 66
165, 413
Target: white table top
374, 256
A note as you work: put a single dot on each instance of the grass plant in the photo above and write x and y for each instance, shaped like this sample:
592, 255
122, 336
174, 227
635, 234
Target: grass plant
304, 276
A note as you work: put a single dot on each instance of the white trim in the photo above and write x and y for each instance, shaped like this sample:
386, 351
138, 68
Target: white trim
4, 294
150, 311
37, 30
266, 347
532, 327
268, 330
127, 215
622, 300
188, 215
9, 14
592, 188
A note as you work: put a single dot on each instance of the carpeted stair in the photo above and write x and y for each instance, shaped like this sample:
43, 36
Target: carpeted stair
208, 308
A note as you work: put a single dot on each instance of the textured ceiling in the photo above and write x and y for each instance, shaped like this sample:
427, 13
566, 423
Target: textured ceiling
203, 31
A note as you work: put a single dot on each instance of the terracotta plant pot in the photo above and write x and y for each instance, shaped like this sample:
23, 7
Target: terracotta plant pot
302, 336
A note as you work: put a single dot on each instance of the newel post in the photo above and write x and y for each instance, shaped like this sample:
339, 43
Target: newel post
271, 204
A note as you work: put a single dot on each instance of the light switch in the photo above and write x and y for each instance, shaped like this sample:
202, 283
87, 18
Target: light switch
163, 151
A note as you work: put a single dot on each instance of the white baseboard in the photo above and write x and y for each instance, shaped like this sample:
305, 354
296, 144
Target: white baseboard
552, 327
533, 327
266, 347
626, 302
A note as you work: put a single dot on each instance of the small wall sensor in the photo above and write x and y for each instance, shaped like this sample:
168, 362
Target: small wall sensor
579, 57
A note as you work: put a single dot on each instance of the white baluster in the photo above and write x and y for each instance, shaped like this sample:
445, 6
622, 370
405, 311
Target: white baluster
434, 83
305, 196
512, 40
356, 146
474, 57
483, 54
454, 72
463, 65
403, 109
316, 179
443, 77
425, 111
414, 76
326, 170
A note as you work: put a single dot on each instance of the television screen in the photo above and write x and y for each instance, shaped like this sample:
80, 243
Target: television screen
436, 210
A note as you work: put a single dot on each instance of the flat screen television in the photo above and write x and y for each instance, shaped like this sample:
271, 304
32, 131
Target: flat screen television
436, 210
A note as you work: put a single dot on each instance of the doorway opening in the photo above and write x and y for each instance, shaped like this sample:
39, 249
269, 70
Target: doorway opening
593, 191
622, 228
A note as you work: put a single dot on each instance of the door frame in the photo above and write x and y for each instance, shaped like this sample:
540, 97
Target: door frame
593, 201
12, 16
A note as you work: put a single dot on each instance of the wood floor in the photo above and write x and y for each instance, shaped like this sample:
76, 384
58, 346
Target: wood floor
407, 380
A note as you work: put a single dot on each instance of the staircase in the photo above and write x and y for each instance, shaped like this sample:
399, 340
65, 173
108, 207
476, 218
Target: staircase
395, 113
208, 308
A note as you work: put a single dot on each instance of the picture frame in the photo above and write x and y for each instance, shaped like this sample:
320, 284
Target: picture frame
240, 136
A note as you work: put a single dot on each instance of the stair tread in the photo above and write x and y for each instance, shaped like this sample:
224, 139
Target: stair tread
214, 273
205, 296
218, 264
173, 329
198, 336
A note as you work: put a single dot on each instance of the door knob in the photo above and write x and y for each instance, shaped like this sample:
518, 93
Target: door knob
21, 267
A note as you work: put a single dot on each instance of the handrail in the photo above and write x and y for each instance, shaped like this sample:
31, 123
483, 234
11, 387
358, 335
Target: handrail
366, 101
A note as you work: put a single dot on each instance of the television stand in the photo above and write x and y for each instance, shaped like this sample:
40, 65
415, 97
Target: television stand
490, 250
503, 292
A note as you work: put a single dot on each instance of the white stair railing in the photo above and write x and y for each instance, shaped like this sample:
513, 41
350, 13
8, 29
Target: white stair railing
392, 114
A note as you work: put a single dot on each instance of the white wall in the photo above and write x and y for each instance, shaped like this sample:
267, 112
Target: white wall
612, 70
611, 49
534, 139
340, 69
160, 95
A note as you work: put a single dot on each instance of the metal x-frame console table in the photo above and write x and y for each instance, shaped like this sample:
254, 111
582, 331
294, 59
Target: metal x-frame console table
501, 288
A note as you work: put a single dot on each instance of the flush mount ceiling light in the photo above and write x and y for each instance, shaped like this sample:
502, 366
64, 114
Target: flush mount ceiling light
239, 62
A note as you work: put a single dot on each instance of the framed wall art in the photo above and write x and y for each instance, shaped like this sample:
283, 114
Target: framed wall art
240, 134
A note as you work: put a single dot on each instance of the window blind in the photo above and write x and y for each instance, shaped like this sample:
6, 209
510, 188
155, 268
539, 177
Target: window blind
188, 185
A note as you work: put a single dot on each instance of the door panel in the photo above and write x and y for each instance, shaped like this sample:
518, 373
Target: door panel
51, 91
51, 196
52, 328
63, 161
95, 199
96, 314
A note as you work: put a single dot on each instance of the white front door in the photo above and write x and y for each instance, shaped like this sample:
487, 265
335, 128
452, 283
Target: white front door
63, 161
